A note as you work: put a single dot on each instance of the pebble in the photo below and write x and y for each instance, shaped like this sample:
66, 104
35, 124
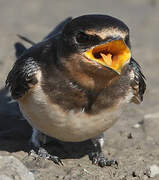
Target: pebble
13, 169
139, 124
4, 177
152, 116
152, 171
129, 136
136, 126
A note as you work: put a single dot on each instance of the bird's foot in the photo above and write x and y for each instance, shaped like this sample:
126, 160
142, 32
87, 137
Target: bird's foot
101, 160
42, 153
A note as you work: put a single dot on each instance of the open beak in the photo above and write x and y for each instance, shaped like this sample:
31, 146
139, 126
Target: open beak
113, 54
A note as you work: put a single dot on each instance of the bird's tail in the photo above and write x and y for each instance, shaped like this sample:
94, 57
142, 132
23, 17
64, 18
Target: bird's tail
20, 48
26, 39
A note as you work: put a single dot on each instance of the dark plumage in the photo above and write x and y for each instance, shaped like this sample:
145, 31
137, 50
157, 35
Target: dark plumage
73, 84
139, 80
20, 48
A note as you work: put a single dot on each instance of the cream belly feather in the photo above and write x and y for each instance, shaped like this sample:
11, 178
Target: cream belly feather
66, 126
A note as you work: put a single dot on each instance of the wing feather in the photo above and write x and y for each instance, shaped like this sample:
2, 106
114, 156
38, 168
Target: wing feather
138, 84
22, 76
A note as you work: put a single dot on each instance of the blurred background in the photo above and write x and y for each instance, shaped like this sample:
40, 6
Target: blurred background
36, 18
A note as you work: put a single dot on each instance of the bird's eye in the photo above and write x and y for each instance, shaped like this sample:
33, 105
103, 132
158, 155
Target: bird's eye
81, 37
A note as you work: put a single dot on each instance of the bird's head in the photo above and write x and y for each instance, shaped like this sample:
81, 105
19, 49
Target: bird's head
95, 45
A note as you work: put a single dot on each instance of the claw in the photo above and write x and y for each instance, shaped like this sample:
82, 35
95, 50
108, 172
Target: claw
99, 158
42, 153
33, 154
94, 160
111, 162
56, 160
104, 162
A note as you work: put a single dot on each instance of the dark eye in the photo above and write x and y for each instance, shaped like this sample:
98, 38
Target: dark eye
81, 37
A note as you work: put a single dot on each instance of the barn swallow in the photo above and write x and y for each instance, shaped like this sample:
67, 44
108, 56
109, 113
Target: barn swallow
73, 85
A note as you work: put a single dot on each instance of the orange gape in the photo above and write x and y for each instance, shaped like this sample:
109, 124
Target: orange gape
107, 59
113, 54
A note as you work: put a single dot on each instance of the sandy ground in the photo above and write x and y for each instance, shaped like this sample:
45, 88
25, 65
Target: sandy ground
134, 140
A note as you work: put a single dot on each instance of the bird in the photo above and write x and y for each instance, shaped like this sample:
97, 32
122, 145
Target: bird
74, 84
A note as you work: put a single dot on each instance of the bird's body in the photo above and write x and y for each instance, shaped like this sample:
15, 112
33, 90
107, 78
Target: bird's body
73, 86
70, 125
